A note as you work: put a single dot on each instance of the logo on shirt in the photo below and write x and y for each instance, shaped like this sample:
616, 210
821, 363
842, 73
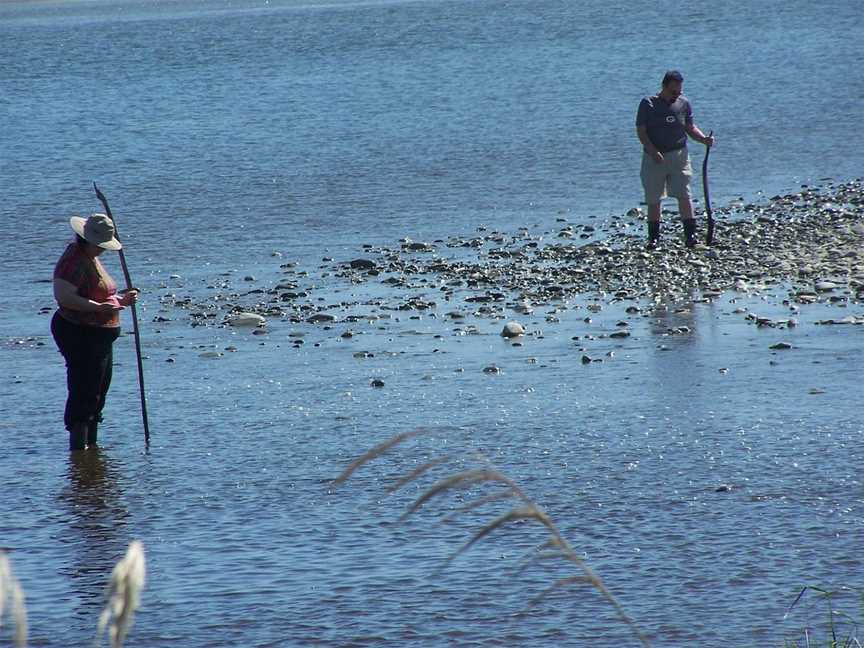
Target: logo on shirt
671, 119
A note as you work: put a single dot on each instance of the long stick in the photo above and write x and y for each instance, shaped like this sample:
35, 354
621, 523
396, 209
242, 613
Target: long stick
129, 286
709, 236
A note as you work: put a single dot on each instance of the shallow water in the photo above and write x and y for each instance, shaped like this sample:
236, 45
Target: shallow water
226, 131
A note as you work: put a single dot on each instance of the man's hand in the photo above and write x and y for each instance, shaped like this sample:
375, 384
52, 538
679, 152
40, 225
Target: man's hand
657, 156
708, 140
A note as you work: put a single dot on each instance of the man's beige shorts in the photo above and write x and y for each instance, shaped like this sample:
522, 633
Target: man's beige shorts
671, 177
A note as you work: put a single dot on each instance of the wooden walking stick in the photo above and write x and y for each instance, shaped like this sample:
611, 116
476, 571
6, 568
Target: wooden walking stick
709, 236
129, 286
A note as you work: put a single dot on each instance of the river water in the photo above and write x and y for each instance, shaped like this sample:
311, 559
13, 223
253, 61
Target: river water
703, 477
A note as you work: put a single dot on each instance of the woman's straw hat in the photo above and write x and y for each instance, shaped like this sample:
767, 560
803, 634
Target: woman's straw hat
96, 229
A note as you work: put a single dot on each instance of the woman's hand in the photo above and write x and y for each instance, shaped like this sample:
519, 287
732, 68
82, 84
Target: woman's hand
128, 297
67, 296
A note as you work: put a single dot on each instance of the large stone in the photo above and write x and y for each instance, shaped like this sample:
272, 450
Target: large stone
512, 329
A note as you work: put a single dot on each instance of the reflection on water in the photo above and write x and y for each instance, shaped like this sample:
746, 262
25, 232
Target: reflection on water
674, 319
98, 518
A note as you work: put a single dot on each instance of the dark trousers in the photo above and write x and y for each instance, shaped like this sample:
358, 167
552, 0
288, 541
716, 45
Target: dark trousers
89, 362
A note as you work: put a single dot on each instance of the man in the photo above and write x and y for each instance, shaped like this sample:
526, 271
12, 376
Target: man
663, 123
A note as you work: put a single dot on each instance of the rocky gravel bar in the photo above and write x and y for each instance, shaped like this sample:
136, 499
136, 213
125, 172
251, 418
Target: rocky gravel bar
807, 245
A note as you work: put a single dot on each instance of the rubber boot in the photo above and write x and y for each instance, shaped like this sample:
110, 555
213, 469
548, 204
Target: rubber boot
77, 436
92, 434
689, 232
653, 234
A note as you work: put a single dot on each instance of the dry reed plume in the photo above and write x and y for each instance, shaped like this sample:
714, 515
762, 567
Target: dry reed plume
12, 598
123, 594
555, 547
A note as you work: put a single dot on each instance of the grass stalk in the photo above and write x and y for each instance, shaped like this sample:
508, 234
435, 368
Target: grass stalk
525, 512
834, 638
377, 451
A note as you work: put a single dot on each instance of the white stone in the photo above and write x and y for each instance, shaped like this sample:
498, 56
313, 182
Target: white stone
246, 319
512, 329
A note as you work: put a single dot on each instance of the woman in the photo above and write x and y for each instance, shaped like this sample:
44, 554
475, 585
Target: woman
86, 324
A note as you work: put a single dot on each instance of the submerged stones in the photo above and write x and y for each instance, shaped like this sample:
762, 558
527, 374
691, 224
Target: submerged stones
523, 308
849, 319
321, 318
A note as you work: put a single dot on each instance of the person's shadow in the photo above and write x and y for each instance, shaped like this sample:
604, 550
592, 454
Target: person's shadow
97, 530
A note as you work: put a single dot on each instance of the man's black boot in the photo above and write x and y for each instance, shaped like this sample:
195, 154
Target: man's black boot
653, 234
689, 232
76, 436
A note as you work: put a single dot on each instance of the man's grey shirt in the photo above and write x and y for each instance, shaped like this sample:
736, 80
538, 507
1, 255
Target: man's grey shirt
665, 122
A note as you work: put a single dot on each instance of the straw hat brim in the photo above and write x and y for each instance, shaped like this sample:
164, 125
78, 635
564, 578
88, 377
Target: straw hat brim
78, 223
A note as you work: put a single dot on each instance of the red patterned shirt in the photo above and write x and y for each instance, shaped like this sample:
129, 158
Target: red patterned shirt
92, 281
